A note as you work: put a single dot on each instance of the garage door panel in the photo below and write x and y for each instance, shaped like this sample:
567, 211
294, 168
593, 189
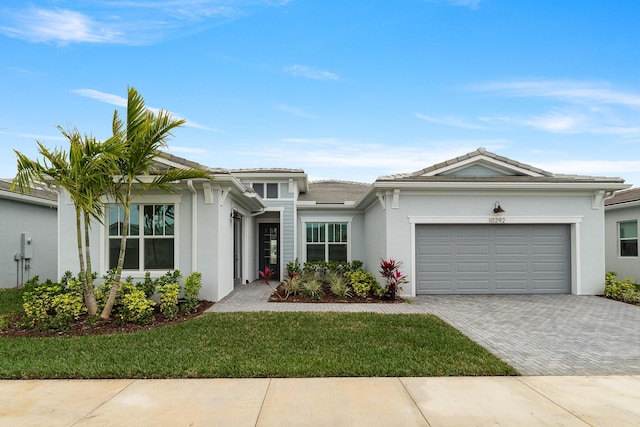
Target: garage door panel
434, 250
473, 267
437, 267
470, 232
512, 249
473, 286
478, 258
511, 286
512, 267
473, 249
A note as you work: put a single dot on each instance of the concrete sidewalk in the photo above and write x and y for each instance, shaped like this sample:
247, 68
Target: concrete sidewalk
477, 401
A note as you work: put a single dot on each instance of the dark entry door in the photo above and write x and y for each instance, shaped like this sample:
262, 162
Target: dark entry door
270, 248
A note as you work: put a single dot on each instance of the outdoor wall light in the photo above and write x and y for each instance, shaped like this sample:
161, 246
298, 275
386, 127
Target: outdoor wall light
235, 215
497, 208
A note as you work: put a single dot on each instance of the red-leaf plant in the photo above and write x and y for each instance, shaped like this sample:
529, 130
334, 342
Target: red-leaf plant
390, 270
266, 276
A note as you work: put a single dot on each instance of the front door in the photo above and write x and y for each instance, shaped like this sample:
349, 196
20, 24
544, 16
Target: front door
269, 244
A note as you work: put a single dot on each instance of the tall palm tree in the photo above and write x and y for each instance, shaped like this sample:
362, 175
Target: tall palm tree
83, 173
143, 135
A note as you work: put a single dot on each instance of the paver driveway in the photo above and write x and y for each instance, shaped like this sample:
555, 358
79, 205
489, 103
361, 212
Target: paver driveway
548, 334
536, 334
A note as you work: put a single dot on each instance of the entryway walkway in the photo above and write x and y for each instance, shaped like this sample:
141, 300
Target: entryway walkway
536, 334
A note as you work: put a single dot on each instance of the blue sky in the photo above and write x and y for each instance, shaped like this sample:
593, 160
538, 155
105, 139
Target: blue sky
343, 89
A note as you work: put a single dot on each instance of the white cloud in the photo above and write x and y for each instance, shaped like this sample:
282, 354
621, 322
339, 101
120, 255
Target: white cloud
294, 110
119, 101
58, 25
449, 121
120, 21
588, 167
357, 161
570, 91
310, 73
107, 98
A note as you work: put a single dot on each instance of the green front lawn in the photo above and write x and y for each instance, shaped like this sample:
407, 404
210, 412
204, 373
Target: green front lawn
265, 344
10, 300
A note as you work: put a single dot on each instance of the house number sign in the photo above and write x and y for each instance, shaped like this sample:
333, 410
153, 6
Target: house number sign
497, 220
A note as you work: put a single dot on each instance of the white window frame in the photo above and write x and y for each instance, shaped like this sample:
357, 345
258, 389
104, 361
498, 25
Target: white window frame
326, 221
142, 201
627, 239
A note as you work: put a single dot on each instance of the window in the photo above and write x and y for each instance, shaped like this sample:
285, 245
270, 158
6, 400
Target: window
628, 236
150, 238
326, 241
271, 190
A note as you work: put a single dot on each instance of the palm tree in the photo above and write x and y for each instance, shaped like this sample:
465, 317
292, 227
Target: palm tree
144, 135
83, 173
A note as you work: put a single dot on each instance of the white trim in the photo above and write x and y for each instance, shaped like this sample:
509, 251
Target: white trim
488, 219
145, 199
26, 198
325, 220
194, 226
207, 189
573, 221
176, 238
485, 161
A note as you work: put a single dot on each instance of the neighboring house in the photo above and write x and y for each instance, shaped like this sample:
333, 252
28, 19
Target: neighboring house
28, 236
479, 223
622, 213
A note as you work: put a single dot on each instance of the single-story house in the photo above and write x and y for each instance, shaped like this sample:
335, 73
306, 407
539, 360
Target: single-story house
479, 223
28, 236
622, 213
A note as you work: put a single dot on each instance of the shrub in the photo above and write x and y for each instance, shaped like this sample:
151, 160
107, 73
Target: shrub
390, 270
312, 287
293, 267
169, 299
52, 305
192, 285
338, 285
136, 307
362, 282
617, 290
149, 285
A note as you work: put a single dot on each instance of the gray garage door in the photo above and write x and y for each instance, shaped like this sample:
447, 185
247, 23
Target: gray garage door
493, 259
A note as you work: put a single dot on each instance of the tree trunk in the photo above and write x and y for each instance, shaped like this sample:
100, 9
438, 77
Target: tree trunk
83, 272
89, 294
106, 311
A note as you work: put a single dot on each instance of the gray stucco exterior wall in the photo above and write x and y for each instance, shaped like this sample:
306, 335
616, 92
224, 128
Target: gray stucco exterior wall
624, 267
41, 223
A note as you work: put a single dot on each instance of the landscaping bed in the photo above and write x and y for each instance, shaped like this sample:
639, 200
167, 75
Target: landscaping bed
83, 326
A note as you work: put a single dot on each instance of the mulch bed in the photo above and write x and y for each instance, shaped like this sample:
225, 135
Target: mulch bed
330, 298
82, 326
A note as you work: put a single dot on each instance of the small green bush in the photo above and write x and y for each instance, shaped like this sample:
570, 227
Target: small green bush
136, 308
192, 285
169, 299
619, 290
362, 282
52, 305
293, 267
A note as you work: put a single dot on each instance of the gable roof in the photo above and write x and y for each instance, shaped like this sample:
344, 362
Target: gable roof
624, 197
333, 192
500, 169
